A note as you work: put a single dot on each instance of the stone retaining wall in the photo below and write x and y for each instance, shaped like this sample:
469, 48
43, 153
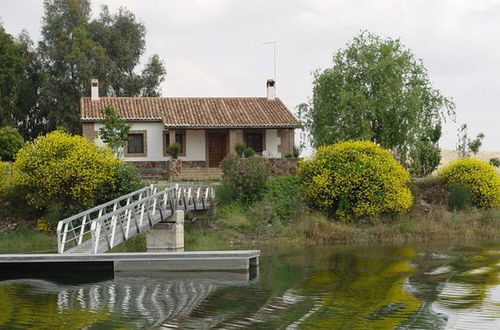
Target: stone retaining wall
181, 170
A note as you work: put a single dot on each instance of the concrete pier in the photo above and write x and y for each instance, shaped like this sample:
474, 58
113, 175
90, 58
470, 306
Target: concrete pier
167, 236
141, 262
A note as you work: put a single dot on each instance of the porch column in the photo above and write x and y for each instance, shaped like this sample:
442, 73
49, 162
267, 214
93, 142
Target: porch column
235, 136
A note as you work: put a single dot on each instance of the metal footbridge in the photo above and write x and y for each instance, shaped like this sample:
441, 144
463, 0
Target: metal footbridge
103, 227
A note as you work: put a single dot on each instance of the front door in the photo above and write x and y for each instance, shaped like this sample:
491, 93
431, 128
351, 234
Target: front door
217, 148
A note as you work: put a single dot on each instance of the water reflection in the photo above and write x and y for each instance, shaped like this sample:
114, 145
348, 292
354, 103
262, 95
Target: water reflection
384, 287
130, 298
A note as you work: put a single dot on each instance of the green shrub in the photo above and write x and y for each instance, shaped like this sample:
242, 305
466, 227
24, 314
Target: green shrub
478, 176
288, 155
248, 152
173, 150
495, 161
10, 142
3, 178
239, 148
246, 177
355, 179
60, 170
459, 197
283, 192
225, 194
425, 158
126, 180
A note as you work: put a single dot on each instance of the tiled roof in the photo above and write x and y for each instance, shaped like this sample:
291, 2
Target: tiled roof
194, 112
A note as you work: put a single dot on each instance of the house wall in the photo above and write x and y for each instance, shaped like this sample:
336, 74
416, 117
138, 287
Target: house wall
287, 137
195, 142
278, 142
272, 143
195, 146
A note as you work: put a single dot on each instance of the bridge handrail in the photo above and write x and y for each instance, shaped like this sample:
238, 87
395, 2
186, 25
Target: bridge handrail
84, 220
101, 206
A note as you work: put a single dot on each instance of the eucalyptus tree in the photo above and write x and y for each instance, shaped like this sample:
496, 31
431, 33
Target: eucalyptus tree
75, 49
375, 90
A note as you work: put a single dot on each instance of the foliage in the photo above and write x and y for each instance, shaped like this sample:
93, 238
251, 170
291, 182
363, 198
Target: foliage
174, 149
355, 179
3, 178
12, 63
114, 131
126, 179
478, 176
76, 48
248, 152
495, 161
283, 193
424, 158
62, 171
246, 177
225, 194
376, 90
425, 155
297, 150
465, 145
459, 197
10, 142
239, 147
288, 155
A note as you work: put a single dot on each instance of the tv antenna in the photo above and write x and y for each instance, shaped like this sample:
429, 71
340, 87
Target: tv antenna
274, 55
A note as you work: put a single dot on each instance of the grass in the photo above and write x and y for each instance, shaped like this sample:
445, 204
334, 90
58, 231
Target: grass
235, 226
24, 240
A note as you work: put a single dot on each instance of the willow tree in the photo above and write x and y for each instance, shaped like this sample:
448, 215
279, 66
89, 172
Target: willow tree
376, 90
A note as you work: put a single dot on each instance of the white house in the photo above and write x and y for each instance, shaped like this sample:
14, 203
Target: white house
207, 128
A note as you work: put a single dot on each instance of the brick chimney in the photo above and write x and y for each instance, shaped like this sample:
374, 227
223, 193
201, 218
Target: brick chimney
94, 89
271, 89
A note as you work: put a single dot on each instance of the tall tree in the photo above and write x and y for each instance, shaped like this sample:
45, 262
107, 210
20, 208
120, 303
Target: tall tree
376, 90
75, 49
12, 63
31, 118
20, 80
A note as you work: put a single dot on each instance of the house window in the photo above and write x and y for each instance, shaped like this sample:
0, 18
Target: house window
254, 141
180, 138
136, 144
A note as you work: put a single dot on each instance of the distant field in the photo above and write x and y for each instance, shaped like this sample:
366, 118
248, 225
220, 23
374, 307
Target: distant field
448, 155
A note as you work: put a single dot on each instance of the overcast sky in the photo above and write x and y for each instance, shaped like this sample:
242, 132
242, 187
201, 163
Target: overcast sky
214, 47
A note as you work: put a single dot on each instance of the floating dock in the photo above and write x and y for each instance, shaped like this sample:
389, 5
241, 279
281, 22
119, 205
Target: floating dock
130, 262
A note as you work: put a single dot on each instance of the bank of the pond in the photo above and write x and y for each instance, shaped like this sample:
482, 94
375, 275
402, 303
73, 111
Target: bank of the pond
26, 240
233, 227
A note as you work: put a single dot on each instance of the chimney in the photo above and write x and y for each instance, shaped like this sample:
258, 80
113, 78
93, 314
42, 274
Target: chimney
94, 89
271, 89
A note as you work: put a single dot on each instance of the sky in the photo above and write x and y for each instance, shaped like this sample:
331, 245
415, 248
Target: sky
216, 47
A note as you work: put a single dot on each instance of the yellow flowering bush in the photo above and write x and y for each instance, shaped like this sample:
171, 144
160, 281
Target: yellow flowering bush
355, 179
478, 176
61, 170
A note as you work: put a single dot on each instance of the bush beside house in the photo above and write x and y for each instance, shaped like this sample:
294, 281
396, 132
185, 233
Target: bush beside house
58, 175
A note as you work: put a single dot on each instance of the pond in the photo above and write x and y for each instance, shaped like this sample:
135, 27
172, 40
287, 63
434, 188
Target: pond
454, 286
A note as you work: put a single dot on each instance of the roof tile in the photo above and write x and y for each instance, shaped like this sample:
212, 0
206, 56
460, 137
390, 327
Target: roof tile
194, 112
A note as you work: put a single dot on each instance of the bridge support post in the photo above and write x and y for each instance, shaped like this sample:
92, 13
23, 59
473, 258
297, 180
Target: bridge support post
167, 236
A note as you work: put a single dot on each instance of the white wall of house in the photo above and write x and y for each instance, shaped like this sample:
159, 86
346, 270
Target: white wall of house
154, 141
272, 142
195, 143
195, 146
